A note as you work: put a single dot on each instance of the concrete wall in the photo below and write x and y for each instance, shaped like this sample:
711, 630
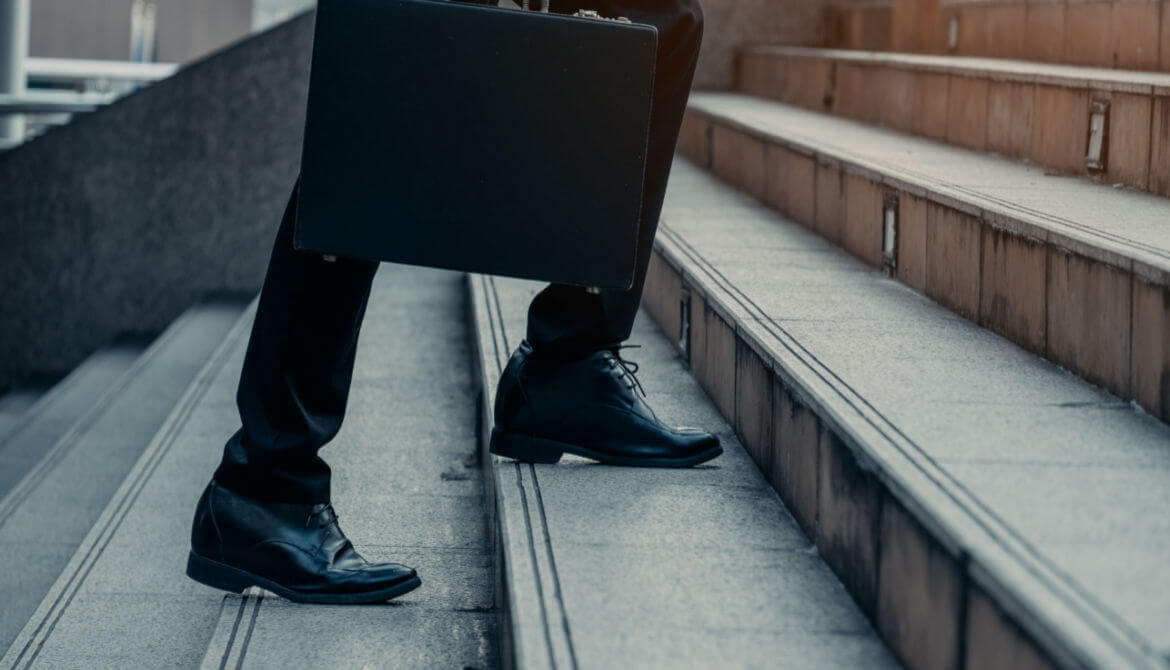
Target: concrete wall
730, 23
186, 29
120, 220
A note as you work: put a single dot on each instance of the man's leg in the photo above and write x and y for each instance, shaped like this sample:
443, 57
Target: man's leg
567, 389
265, 519
569, 319
297, 372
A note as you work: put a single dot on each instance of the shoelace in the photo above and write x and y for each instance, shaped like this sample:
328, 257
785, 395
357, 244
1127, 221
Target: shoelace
325, 511
629, 368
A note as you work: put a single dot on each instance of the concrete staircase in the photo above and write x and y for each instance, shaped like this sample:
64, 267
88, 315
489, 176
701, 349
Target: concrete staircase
930, 293
1111, 125
60, 467
574, 565
934, 338
1066, 267
984, 507
604, 567
1125, 34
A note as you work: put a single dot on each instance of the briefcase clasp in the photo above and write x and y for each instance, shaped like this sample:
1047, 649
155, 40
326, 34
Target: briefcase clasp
593, 14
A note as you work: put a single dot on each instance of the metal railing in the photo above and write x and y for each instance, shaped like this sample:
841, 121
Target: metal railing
80, 86
85, 72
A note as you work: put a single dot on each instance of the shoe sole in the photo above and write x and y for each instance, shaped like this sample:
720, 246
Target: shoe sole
539, 450
226, 578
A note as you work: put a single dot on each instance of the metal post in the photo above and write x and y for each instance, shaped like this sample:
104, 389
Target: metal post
13, 51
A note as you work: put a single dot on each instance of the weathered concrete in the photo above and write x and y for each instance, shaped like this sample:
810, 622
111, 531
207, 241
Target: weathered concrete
40, 426
120, 220
1067, 268
409, 488
628, 567
67, 482
998, 471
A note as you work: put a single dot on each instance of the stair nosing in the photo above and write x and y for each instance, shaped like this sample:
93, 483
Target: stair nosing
62, 387
1139, 82
523, 555
1152, 263
69, 440
60, 594
1101, 637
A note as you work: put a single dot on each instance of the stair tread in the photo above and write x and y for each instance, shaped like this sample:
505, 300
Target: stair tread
627, 567
407, 488
1005, 69
14, 407
49, 512
1023, 464
42, 424
1121, 227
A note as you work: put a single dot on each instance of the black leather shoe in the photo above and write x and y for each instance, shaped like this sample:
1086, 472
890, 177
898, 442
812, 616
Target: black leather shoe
296, 551
592, 407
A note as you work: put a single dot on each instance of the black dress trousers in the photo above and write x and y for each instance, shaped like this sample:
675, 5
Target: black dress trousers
299, 362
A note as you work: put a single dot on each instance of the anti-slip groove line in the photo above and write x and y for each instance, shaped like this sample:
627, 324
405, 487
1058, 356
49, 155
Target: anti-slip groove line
491, 322
1065, 580
65, 444
500, 317
499, 336
817, 147
79, 576
772, 326
130, 491
123, 509
251, 627
535, 564
1057, 581
552, 567
52, 395
227, 650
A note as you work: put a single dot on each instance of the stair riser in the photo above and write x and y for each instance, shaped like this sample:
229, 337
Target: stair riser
1109, 324
1120, 34
1047, 123
916, 588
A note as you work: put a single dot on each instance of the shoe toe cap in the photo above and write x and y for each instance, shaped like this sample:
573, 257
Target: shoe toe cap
697, 435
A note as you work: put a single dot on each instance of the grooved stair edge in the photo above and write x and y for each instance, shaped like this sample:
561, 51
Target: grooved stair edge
1147, 260
999, 69
23, 651
1067, 625
45, 422
1078, 275
69, 439
533, 625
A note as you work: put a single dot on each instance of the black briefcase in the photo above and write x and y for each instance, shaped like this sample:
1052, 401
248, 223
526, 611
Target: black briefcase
477, 138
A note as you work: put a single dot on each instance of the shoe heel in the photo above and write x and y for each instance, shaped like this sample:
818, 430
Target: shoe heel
525, 448
217, 575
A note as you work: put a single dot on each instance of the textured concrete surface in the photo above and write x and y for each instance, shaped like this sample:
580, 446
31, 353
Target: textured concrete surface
1000, 69
700, 567
1046, 260
1074, 472
36, 430
408, 488
14, 407
1113, 225
50, 511
120, 220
